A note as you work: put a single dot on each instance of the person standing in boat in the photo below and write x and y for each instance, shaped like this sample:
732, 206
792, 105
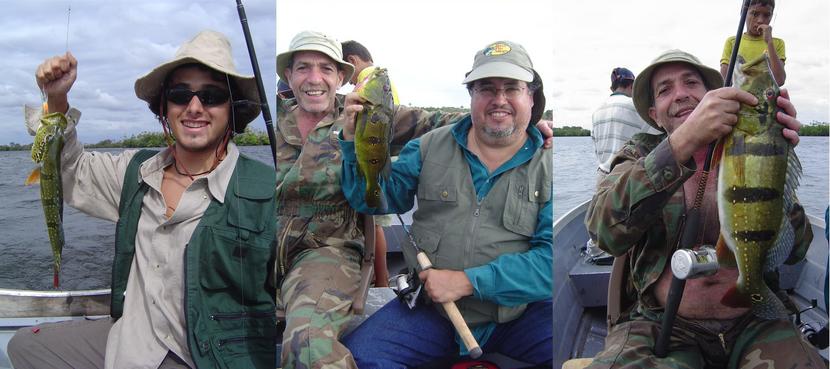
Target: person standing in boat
758, 40
616, 121
484, 218
192, 282
637, 211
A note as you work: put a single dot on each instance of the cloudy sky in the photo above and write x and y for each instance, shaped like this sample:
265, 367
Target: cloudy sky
429, 45
115, 42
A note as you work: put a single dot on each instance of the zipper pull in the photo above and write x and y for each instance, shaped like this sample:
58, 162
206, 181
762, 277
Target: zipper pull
722, 342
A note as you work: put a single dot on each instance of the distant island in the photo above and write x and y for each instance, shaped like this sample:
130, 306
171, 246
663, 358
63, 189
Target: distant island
253, 137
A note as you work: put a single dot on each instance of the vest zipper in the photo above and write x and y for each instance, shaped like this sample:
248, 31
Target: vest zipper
722, 342
222, 342
473, 227
241, 315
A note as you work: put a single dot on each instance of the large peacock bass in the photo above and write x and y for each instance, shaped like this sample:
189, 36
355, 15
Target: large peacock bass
759, 173
46, 151
373, 130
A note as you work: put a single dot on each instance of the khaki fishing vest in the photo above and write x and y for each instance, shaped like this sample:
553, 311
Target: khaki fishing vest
456, 232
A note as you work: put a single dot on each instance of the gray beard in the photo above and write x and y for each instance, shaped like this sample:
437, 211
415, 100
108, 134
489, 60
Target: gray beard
499, 133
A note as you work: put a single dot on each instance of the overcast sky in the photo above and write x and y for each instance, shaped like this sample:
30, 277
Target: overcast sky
116, 42
429, 45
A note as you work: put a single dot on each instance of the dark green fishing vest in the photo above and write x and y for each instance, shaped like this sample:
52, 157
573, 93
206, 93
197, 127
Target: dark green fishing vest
228, 300
457, 232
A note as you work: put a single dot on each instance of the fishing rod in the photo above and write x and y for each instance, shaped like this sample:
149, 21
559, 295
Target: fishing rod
266, 112
449, 307
691, 228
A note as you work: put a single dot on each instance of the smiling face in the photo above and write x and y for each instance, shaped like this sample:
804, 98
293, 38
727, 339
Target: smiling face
314, 78
756, 16
196, 126
677, 88
501, 109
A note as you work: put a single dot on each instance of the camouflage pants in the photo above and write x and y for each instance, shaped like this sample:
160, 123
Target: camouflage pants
317, 295
746, 342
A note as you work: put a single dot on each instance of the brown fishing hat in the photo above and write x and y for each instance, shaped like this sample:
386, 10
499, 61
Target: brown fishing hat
213, 50
506, 59
644, 96
314, 41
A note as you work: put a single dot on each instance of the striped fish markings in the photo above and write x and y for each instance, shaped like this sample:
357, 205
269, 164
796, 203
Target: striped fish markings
759, 172
46, 151
373, 131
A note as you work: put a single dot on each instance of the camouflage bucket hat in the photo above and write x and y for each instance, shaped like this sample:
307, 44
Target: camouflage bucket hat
644, 96
506, 59
213, 50
314, 41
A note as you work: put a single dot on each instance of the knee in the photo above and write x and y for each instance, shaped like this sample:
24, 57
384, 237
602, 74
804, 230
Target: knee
21, 343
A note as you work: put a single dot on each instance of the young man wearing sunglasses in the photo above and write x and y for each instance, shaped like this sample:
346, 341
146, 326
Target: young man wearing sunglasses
191, 281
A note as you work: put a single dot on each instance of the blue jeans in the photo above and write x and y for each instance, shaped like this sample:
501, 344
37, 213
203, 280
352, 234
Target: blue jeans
396, 337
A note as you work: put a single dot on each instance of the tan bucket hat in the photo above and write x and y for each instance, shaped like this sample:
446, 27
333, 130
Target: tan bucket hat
314, 41
644, 97
213, 50
506, 59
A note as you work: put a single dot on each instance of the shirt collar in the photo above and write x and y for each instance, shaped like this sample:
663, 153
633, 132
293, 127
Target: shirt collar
217, 180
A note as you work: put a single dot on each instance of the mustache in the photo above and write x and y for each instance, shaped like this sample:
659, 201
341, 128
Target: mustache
674, 109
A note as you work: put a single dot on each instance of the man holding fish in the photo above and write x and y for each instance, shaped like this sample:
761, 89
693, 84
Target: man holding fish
192, 282
320, 237
484, 220
640, 210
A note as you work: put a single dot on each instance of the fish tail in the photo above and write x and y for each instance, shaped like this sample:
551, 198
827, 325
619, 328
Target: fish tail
766, 305
56, 277
725, 257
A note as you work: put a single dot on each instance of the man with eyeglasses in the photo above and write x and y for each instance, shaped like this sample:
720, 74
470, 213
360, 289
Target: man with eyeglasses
192, 278
484, 219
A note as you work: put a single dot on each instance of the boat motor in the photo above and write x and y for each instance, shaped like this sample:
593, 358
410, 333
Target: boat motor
685, 264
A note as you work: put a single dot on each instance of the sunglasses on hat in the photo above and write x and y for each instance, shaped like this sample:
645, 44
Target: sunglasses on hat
208, 97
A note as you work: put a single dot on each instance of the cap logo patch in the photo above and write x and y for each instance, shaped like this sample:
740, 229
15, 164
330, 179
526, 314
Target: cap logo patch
497, 49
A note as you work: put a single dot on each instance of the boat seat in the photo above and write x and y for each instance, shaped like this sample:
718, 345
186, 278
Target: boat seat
617, 301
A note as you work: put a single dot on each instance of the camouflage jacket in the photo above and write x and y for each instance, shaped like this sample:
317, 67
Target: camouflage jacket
640, 207
311, 208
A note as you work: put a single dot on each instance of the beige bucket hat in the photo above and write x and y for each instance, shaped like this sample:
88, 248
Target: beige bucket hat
506, 59
644, 97
213, 50
314, 41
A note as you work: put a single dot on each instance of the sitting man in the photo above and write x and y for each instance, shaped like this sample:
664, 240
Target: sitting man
639, 208
484, 220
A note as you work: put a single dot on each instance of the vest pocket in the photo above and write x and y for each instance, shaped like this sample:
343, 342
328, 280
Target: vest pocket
229, 262
233, 351
522, 209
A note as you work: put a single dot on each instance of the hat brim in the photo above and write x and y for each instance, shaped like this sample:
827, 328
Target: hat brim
499, 70
285, 58
148, 87
642, 94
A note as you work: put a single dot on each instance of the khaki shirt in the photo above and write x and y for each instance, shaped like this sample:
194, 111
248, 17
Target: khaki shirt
154, 320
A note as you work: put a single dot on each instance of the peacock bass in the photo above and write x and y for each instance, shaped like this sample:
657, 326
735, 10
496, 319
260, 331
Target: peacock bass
373, 131
759, 173
46, 151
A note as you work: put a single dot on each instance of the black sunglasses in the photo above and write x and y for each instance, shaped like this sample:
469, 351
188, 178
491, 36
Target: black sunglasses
208, 96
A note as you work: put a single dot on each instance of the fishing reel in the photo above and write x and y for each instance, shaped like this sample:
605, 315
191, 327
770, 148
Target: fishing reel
818, 338
407, 287
690, 264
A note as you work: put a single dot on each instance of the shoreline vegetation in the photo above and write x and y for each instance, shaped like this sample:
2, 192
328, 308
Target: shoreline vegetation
252, 137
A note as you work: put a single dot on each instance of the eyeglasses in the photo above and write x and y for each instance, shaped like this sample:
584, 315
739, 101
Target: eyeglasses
208, 96
490, 92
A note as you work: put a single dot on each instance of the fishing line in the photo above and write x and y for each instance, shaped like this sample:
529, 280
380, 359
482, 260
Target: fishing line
68, 14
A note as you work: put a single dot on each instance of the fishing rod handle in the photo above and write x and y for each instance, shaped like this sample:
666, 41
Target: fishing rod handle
455, 316
661, 347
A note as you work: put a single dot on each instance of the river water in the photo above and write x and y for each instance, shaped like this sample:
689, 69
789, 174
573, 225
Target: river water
26, 260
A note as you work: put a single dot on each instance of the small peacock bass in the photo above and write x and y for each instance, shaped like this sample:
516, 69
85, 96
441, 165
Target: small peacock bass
46, 151
373, 131
759, 173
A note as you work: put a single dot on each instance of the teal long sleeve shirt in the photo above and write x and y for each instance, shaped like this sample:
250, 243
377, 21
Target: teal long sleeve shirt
510, 279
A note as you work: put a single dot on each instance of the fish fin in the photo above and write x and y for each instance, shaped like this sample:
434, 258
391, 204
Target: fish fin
717, 155
793, 176
32, 117
725, 256
733, 298
34, 177
56, 283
